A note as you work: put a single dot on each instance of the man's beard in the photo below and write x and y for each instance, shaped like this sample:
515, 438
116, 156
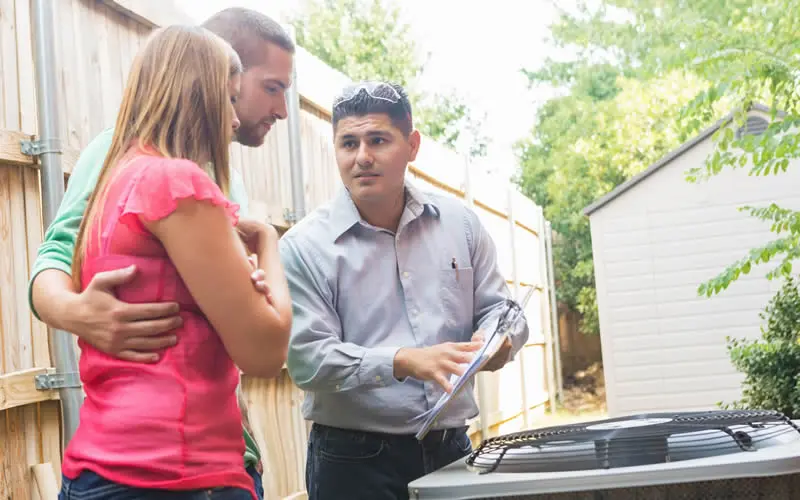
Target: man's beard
247, 136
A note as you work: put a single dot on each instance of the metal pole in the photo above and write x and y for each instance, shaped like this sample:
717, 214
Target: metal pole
551, 286
483, 389
549, 354
295, 144
49, 152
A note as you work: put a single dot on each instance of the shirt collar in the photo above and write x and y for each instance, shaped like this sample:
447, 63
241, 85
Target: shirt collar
344, 214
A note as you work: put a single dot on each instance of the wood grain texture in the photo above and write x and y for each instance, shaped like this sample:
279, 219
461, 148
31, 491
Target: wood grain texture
96, 42
11, 149
45, 478
149, 13
18, 389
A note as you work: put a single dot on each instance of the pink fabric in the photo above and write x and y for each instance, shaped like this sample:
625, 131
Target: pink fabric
174, 424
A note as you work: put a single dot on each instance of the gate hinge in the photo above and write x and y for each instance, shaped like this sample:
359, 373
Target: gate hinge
53, 380
40, 147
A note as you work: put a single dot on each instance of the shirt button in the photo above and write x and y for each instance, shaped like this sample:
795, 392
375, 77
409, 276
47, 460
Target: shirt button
405, 274
338, 387
377, 378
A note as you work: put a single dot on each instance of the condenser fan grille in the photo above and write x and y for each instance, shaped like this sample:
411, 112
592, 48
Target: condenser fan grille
634, 440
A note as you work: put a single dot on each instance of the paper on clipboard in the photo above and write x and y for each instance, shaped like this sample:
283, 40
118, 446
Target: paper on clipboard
505, 325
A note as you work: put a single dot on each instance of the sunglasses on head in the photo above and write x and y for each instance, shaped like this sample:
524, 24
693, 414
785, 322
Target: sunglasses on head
376, 90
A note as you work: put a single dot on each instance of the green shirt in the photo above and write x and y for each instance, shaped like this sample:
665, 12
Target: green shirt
58, 246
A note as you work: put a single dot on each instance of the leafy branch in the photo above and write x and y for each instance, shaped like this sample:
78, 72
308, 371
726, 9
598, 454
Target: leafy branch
788, 246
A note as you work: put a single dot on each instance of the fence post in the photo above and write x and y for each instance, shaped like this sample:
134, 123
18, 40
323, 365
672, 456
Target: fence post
483, 406
551, 287
295, 144
512, 224
546, 313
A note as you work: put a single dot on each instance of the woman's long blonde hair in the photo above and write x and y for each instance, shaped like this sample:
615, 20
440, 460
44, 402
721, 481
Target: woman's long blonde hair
176, 103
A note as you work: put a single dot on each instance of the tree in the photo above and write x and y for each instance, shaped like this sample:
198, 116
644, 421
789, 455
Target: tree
607, 129
364, 39
771, 364
368, 40
746, 50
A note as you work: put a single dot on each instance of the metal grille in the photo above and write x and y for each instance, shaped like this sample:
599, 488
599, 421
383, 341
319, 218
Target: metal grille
755, 125
633, 440
762, 488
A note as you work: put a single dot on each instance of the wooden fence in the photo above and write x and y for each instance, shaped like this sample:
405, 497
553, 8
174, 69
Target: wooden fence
96, 42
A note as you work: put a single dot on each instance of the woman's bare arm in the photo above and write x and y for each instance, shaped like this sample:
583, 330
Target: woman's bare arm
211, 260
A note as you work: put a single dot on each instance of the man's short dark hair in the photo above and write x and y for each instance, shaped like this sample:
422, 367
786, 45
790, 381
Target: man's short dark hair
244, 29
366, 98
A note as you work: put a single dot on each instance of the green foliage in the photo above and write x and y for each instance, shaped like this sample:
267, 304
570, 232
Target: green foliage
368, 40
748, 50
364, 39
771, 364
606, 130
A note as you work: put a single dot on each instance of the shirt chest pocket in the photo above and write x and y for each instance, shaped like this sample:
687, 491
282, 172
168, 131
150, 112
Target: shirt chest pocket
456, 290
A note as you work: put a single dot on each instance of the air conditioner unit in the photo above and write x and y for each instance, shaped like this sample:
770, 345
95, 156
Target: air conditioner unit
713, 455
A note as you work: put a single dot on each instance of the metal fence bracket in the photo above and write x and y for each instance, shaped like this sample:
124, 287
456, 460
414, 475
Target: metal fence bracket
40, 147
289, 215
53, 380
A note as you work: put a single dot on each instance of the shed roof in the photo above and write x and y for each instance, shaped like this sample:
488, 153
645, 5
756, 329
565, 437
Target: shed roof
686, 146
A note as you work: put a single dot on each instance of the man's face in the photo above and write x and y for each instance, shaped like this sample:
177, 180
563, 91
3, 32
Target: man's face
372, 155
262, 100
234, 89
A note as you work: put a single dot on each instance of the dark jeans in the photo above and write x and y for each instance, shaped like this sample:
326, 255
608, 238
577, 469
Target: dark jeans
362, 465
256, 481
90, 486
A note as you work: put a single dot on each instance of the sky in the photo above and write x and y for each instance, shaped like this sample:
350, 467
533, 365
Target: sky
480, 56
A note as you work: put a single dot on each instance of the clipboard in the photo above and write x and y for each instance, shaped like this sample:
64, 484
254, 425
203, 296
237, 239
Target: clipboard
506, 323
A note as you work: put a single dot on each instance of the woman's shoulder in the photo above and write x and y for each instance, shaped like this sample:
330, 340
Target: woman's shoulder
157, 184
145, 165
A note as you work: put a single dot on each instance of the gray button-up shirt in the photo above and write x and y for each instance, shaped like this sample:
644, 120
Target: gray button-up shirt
360, 293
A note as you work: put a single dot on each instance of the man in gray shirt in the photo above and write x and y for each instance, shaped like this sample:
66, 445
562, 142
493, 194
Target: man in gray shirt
391, 288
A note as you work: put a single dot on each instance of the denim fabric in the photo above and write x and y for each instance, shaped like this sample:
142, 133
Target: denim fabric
371, 466
90, 486
259, 485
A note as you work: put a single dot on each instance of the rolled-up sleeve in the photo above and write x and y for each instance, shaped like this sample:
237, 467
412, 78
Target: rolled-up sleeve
491, 290
318, 359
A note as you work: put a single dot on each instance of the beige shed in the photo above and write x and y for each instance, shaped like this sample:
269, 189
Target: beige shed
655, 238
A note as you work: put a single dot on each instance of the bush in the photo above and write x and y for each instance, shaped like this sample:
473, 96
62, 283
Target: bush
771, 364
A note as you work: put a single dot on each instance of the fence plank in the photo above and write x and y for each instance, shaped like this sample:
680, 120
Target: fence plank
18, 389
10, 148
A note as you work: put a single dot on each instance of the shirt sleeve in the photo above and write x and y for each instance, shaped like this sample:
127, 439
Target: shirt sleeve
58, 245
319, 360
239, 193
490, 288
160, 183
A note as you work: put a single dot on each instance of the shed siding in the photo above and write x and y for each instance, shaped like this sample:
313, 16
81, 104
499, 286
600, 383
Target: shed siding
664, 346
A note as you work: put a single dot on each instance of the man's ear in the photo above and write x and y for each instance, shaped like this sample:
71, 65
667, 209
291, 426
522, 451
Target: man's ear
414, 138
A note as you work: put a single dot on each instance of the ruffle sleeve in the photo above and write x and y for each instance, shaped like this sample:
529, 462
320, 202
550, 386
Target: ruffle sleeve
158, 184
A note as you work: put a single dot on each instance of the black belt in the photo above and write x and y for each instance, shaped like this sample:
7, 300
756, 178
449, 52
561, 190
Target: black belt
432, 438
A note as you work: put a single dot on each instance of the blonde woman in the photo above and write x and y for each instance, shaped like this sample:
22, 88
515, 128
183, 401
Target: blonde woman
172, 429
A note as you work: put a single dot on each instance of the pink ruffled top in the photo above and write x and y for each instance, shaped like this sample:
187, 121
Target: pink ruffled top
174, 424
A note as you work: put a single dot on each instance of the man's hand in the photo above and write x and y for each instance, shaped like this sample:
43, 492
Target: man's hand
500, 358
132, 332
435, 363
256, 235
